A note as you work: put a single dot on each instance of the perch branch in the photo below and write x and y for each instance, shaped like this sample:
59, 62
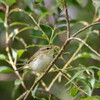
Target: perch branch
59, 53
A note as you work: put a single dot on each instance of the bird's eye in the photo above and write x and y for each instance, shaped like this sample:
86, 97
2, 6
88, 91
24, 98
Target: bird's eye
48, 48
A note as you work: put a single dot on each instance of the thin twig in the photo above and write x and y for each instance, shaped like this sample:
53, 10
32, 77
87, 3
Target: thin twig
32, 18
86, 45
22, 41
83, 29
53, 81
43, 84
75, 53
35, 23
67, 19
19, 98
65, 75
7, 47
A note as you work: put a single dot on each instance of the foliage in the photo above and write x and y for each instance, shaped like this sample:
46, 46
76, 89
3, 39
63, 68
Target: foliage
26, 25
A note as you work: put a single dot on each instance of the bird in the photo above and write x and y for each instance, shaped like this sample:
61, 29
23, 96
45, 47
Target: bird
41, 59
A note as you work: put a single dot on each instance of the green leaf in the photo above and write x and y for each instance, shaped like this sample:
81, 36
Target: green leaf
39, 0
98, 73
39, 37
19, 53
79, 1
25, 28
19, 23
96, 4
1, 1
75, 76
87, 55
93, 67
25, 72
10, 2
85, 81
60, 3
34, 91
43, 99
1, 20
14, 33
88, 90
14, 92
92, 81
33, 45
14, 10
73, 91
14, 53
44, 15
60, 78
92, 98
17, 82
97, 85
5, 69
95, 57
2, 57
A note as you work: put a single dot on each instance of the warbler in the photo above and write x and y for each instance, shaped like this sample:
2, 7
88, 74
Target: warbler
41, 59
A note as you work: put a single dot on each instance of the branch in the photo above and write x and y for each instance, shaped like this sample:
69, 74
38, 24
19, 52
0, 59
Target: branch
49, 67
83, 29
75, 53
65, 75
53, 81
61, 50
67, 18
57, 56
86, 45
7, 47
32, 18
66, 65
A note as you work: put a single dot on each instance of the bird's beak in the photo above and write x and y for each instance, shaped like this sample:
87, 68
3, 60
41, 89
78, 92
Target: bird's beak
54, 47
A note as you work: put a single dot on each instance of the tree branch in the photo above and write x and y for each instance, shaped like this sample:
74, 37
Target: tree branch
86, 45
66, 65
58, 55
83, 29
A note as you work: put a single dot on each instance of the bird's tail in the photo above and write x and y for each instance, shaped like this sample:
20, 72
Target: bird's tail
23, 67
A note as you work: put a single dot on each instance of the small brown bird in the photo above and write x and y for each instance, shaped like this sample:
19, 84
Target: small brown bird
41, 59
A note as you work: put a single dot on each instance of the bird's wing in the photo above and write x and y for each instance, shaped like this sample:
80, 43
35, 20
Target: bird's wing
34, 56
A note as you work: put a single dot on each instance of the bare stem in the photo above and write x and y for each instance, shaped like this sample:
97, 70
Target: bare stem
83, 29
53, 81
67, 18
44, 85
86, 45
64, 74
7, 47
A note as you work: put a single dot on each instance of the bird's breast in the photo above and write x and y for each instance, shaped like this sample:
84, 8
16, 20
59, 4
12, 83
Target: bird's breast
40, 63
